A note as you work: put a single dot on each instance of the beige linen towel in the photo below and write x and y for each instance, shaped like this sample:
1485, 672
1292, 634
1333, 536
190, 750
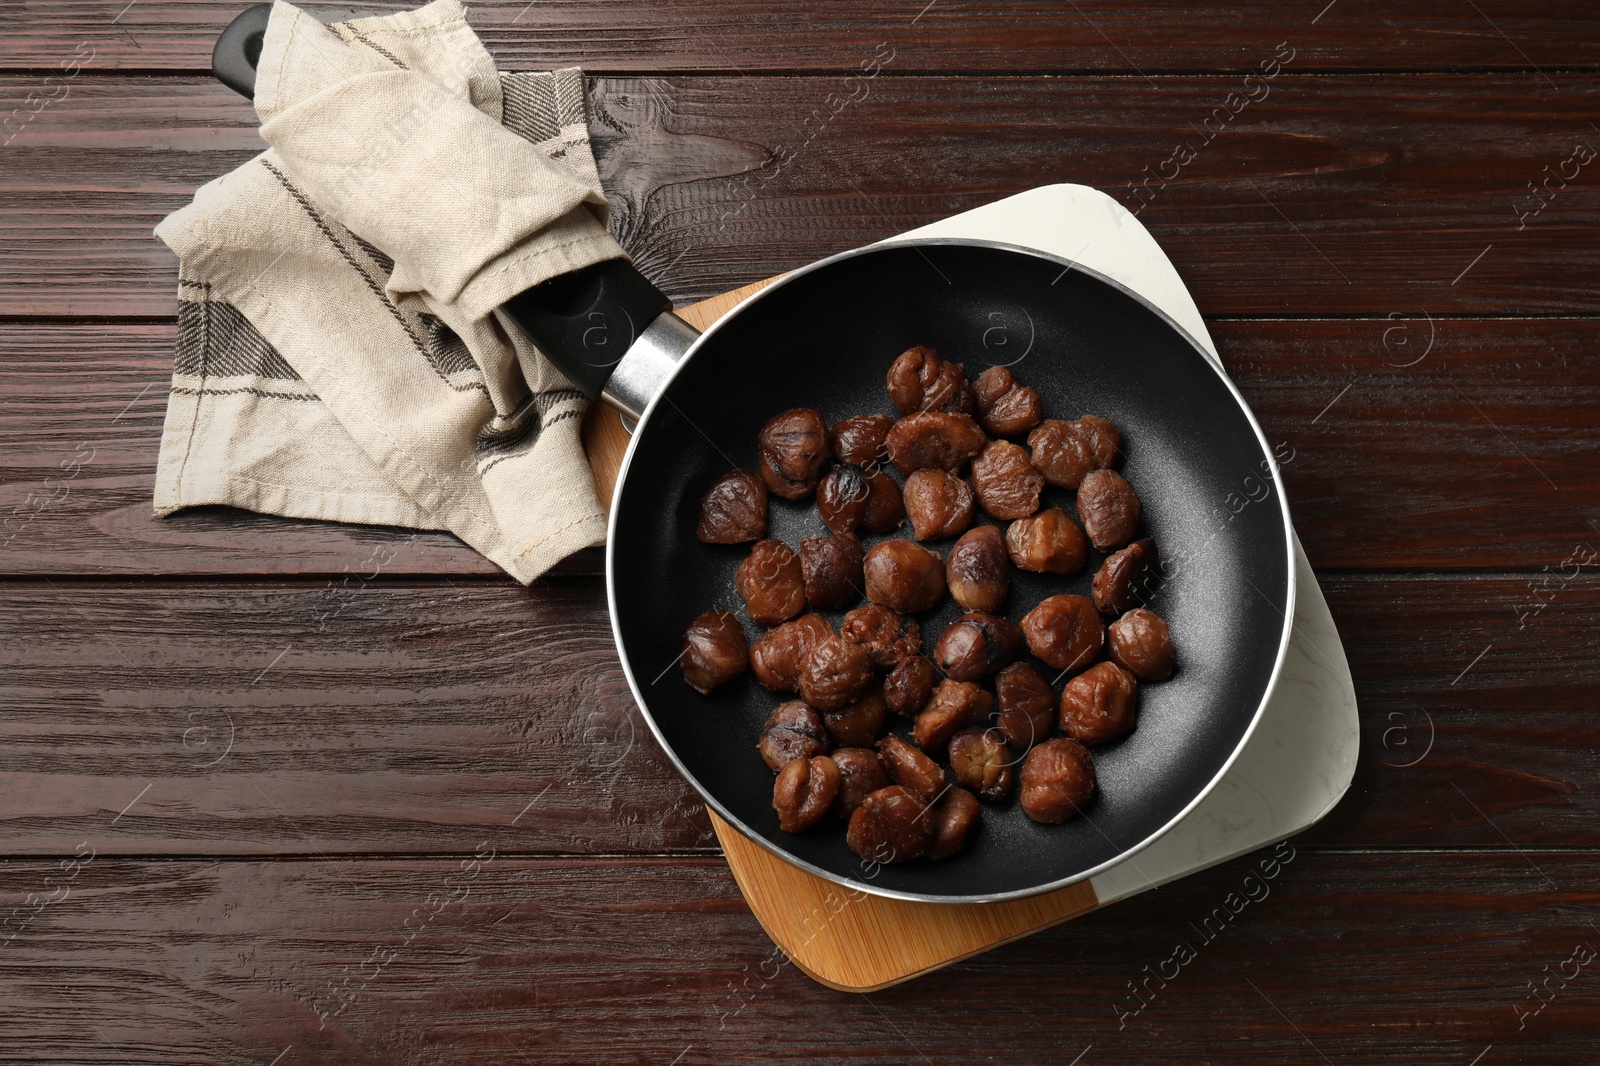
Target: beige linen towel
340, 352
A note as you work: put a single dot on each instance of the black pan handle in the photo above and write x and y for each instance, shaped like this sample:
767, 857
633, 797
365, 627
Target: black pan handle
605, 326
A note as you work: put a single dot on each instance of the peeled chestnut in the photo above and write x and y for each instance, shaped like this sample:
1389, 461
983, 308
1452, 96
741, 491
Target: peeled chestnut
978, 571
834, 673
934, 439
831, 567
772, 583
953, 818
909, 686
714, 651
1005, 481
1109, 507
1049, 542
976, 645
1066, 451
938, 503
1005, 408
891, 825
889, 636
1127, 577
911, 769
955, 705
1064, 631
860, 440
776, 657
793, 731
1057, 780
920, 381
861, 773
1140, 643
793, 447
858, 722
982, 763
853, 497
733, 510
1025, 706
804, 792
1099, 704
903, 575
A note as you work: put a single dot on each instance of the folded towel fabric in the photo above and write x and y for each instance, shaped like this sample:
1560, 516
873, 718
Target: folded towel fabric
340, 351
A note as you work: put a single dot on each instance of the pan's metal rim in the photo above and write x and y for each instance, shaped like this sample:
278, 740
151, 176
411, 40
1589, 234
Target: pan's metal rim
864, 886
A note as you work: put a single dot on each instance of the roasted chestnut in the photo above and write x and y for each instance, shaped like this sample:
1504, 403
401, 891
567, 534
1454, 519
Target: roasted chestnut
1140, 643
938, 503
982, 763
955, 705
911, 769
1057, 780
861, 773
920, 381
1025, 705
860, 721
804, 792
976, 645
953, 818
1064, 452
934, 439
793, 447
772, 583
853, 497
1099, 704
1109, 507
1049, 542
1127, 577
978, 572
733, 510
831, 567
793, 731
860, 440
891, 825
909, 686
714, 651
903, 575
1005, 481
1064, 631
775, 658
889, 637
1005, 408
834, 674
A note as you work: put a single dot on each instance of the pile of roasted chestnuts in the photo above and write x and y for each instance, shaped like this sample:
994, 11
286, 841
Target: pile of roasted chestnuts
985, 719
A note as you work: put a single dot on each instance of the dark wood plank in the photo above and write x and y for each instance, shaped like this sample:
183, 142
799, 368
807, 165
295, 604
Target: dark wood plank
382, 718
1492, 409
1304, 958
633, 35
344, 716
1334, 195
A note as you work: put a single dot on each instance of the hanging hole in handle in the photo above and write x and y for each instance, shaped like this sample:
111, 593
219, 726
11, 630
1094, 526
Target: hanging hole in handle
238, 50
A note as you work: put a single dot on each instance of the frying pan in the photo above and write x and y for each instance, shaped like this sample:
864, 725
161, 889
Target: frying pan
823, 336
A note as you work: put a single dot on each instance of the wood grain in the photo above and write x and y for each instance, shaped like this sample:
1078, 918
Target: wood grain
1492, 409
334, 717
856, 942
832, 35
1335, 195
1416, 958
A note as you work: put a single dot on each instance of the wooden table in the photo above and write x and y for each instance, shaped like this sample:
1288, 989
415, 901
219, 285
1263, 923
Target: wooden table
406, 836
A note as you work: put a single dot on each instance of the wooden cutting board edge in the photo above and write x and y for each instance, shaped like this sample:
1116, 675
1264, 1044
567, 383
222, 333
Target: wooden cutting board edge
843, 938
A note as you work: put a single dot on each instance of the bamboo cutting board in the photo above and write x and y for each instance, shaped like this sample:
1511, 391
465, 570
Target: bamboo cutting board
841, 937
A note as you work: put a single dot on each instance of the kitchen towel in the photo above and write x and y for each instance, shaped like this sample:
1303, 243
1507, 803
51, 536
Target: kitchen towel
340, 350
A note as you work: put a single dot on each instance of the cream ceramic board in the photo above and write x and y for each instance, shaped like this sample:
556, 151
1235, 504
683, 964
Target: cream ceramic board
1302, 756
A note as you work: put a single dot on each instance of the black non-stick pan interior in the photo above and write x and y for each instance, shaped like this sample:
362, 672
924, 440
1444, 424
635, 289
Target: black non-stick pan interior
825, 339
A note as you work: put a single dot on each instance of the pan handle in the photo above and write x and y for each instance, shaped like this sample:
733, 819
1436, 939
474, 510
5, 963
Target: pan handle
605, 326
